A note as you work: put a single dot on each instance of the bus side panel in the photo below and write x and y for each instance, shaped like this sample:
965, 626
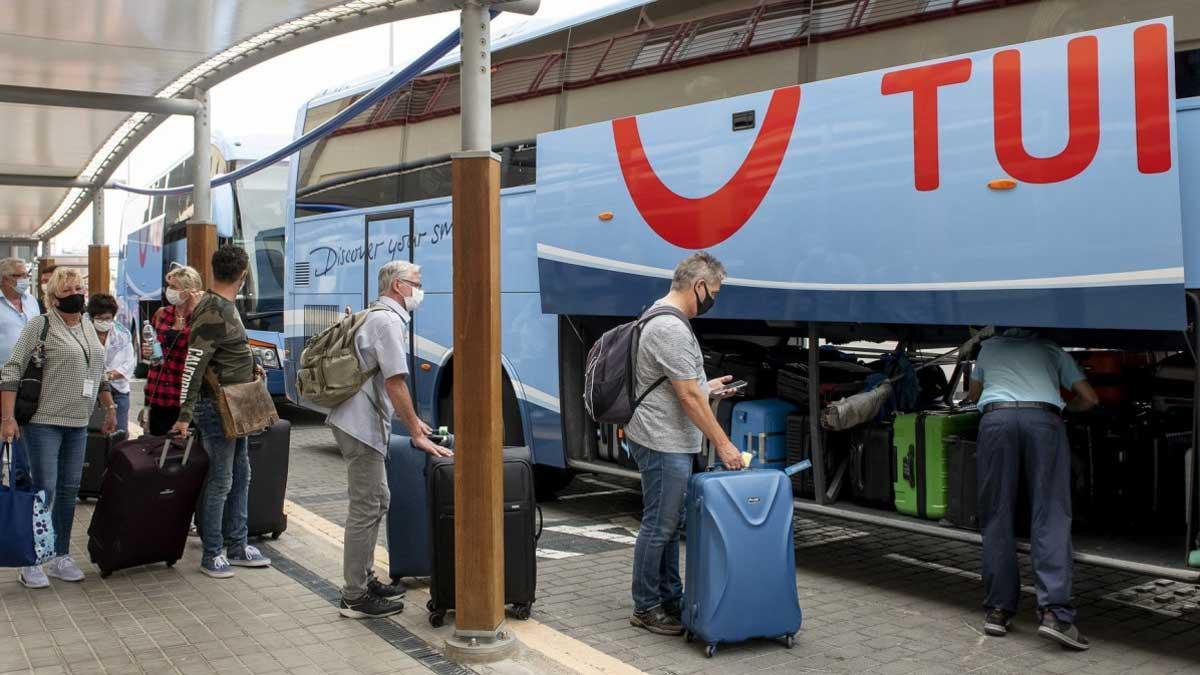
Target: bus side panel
1188, 123
530, 345
331, 247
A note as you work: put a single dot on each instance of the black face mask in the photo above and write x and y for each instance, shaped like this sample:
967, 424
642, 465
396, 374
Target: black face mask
72, 304
702, 306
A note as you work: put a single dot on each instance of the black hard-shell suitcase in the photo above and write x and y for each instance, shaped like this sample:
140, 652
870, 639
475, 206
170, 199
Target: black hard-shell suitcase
521, 532
146, 502
962, 484
95, 459
873, 465
408, 535
269, 457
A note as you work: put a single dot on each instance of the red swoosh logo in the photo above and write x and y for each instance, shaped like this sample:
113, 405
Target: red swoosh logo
142, 246
706, 221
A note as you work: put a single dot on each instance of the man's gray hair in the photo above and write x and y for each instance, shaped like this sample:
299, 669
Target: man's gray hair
697, 267
9, 266
397, 269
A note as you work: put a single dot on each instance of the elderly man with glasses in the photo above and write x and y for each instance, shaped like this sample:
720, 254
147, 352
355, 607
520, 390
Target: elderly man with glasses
17, 307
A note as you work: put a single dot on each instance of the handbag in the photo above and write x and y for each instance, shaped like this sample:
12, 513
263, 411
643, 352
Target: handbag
29, 391
26, 530
244, 408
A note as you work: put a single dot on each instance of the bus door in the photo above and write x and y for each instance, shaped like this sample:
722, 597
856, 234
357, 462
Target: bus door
387, 239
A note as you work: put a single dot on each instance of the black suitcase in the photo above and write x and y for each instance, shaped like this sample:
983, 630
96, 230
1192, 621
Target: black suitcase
798, 437
521, 532
269, 458
962, 484
146, 502
95, 459
873, 465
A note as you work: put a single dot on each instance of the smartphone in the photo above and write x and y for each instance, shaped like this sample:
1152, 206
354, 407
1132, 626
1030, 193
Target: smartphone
737, 385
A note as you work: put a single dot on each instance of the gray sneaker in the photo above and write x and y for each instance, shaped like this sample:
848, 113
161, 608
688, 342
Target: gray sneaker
1065, 634
249, 556
997, 622
656, 621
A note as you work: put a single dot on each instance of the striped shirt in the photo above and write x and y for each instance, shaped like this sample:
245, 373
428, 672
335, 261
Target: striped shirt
74, 359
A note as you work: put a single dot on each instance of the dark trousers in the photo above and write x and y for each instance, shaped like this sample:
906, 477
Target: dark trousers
1037, 440
161, 419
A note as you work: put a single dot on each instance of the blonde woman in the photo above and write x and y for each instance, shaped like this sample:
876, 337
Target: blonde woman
172, 326
72, 378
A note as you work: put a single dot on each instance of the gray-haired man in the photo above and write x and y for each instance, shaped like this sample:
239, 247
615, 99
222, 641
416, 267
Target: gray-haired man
17, 307
666, 431
362, 426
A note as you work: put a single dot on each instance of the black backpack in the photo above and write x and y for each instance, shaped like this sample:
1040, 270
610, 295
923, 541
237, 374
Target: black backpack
611, 375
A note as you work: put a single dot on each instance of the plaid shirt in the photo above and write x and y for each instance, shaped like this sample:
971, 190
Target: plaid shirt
164, 382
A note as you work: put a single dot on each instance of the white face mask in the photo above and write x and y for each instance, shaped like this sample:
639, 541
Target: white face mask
22, 286
103, 326
173, 296
413, 301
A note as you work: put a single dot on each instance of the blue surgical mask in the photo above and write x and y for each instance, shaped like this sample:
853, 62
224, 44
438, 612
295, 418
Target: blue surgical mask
22, 286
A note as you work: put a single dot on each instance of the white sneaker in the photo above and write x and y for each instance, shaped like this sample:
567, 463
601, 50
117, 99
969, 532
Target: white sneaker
33, 577
63, 567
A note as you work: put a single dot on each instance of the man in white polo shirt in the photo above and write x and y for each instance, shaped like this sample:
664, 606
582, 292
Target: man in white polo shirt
362, 426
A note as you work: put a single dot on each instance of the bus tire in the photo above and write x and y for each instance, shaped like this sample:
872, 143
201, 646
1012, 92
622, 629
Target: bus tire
548, 481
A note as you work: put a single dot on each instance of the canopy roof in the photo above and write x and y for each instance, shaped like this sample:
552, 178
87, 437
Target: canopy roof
55, 48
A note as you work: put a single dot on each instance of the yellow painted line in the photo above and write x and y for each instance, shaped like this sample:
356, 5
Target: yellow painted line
563, 649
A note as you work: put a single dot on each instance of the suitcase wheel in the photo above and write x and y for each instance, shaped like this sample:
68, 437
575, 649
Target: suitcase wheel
104, 574
688, 637
275, 535
522, 612
171, 563
710, 651
437, 619
428, 605
789, 641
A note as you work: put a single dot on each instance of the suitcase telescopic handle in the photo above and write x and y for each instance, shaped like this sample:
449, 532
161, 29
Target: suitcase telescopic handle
761, 451
187, 451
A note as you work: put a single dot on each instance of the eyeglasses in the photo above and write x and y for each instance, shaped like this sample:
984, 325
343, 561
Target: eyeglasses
414, 284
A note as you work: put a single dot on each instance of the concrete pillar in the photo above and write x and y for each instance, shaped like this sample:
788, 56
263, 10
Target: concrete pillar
201, 232
99, 280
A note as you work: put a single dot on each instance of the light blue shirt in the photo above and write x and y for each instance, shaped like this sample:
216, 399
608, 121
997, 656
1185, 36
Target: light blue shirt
12, 320
1024, 369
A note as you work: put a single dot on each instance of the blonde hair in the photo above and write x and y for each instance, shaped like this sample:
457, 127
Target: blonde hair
188, 278
59, 280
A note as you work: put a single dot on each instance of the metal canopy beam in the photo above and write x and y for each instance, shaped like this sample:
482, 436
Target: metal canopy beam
33, 180
96, 100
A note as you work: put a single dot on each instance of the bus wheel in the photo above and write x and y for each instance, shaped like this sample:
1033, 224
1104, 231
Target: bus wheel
548, 481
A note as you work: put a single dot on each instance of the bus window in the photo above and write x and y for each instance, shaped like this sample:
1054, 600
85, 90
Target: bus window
1187, 73
260, 203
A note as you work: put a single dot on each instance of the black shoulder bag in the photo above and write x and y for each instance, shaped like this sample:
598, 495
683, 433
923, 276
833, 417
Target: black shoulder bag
29, 391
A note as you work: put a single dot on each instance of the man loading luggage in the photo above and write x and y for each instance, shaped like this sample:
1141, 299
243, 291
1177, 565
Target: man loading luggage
362, 425
218, 341
665, 433
1016, 383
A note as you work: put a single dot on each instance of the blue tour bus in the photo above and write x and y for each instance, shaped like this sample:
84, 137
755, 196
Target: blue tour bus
249, 213
836, 213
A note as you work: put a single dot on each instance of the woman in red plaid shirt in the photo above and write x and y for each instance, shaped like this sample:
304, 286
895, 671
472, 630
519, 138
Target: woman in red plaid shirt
172, 324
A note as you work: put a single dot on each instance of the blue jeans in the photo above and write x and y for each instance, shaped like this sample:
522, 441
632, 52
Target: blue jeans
227, 486
122, 401
1038, 440
56, 459
665, 478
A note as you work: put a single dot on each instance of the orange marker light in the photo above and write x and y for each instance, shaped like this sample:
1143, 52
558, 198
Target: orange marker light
1002, 184
426, 367
606, 216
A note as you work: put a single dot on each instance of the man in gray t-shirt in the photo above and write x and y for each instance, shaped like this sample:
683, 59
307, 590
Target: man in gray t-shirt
666, 432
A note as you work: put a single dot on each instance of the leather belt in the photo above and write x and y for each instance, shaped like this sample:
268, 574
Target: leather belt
1033, 405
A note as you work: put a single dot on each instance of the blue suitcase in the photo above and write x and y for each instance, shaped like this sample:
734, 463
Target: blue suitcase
741, 564
760, 428
409, 544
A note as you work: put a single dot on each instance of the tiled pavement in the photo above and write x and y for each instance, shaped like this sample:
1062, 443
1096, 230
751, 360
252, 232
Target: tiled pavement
875, 600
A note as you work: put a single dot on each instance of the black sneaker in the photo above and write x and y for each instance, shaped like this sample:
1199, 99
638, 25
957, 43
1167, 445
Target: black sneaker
369, 606
674, 609
392, 591
1065, 634
997, 622
656, 621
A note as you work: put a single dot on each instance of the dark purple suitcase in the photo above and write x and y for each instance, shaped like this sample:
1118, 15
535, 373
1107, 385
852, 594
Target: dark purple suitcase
146, 502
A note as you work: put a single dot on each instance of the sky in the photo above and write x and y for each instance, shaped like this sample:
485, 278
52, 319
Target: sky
265, 99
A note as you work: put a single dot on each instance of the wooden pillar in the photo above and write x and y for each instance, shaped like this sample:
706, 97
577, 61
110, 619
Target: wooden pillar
201, 244
99, 280
478, 419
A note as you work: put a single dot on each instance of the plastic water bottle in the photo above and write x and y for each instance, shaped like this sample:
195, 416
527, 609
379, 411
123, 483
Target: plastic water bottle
150, 338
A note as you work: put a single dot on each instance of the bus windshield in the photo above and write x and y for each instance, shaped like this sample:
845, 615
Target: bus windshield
259, 230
